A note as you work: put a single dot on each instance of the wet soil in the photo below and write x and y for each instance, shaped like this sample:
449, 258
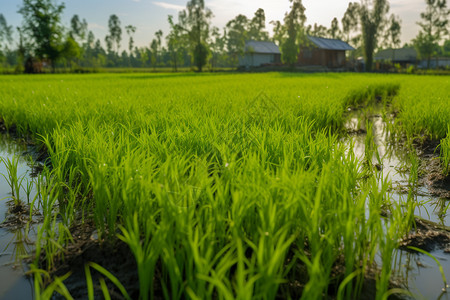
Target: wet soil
18, 216
115, 256
427, 236
433, 178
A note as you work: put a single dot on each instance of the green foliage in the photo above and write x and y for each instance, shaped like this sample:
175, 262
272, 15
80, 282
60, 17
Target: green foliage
372, 16
42, 25
424, 112
5, 33
12, 178
115, 34
237, 35
350, 20
445, 152
71, 50
294, 22
393, 30
130, 29
201, 53
434, 26
195, 21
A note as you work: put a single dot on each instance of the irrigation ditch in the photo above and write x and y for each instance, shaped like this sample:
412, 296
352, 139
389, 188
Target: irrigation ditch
412, 167
415, 173
17, 225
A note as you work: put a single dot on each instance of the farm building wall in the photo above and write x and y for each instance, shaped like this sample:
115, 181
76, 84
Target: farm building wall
258, 59
321, 57
441, 62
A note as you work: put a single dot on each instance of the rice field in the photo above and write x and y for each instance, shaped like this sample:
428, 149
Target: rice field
222, 186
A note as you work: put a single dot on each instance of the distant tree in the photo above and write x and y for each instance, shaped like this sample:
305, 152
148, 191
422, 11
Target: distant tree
143, 56
156, 49
71, 51
334, 32
90, 41
88, 46
217, 46
158, 36
5, 32
433, 28
154, 55
446, 48
257, 26
175, 43
372, 16
42, 25
21, 51
88, 50
317, 30
393, 31
5, 38
294, 22
279, 32
78, 29
236, 35
130, 29
195, 20
115, 34
350, 22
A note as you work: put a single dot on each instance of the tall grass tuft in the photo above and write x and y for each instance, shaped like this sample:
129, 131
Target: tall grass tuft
12, 178
445, 153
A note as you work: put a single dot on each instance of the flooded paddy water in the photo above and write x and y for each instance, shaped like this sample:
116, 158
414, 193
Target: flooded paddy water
416, 272
16, 238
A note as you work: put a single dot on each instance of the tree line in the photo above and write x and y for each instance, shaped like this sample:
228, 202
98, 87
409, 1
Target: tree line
193, 42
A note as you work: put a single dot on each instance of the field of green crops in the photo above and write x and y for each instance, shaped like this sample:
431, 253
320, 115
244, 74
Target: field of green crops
223, 186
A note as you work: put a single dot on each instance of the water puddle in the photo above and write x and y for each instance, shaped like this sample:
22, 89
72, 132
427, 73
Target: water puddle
16, 240
419, 272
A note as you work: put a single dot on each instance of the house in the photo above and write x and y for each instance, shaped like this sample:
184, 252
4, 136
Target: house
404, 57
324, 52
258, 53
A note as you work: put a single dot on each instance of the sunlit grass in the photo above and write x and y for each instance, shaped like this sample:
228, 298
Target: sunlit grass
223, 186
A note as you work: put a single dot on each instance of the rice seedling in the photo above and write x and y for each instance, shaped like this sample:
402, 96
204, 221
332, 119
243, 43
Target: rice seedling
45, 290
445, 153
212, 201
104, 288
12, 178
28, 188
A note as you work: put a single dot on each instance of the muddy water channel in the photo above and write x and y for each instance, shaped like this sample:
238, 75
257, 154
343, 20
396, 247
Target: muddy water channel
407, 171
16, 240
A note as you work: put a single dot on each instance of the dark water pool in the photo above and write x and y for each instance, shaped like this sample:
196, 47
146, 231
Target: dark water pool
419, 272
15, 241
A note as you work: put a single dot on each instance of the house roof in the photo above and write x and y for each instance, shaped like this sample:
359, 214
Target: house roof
262, 47
329, 44
403, 54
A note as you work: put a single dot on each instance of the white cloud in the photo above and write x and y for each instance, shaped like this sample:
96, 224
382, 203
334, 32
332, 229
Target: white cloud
136, 0
169, 5
95, 26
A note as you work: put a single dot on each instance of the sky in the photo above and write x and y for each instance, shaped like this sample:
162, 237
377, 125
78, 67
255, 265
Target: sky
150, 16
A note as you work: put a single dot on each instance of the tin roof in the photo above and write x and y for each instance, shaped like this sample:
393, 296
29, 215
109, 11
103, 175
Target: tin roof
262, 47
330, 44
